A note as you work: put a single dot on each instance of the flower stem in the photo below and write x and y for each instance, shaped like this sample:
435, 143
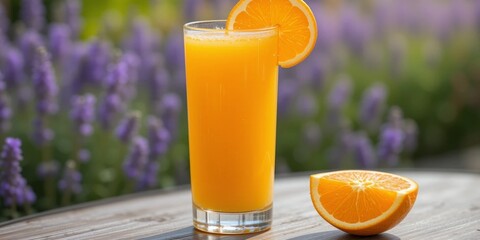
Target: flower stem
66, 197
28, 208
106, 162
13, 209
76, 149
49, 184
120, 181
129, 187
50, 190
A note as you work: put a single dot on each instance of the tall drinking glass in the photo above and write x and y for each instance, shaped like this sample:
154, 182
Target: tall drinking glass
232, 104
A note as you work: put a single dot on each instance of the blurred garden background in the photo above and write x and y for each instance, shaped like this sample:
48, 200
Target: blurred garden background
92, 94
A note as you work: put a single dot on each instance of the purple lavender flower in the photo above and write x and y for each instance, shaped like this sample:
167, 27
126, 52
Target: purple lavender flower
89, 65
140, 40
286, 93
45, 87
12, 68
11, 157
73, 70
372, 105
400, 14
311, 73
133, 64
410, 130
83, 155
477, 13
306, 105
112, 103
145, 46
117, 77
45, 92
30, 41
392, 138
149, 66
27, 195
148, 179
439, 22
170, 108
390, 146
59, 41
48, 169
83, 114
128, 127
328, 31
109, 109
340, 93
71, 179
343, 146
158, 142
319, 72
415, 17
461, 14
135, 162
190, 9
41, 133
33, 14
174, 52
158, 84
5, 111
356, 31
96, 61
72, 10
364, 153
337, 98
13, 187
17, 191
383, 17
158, 138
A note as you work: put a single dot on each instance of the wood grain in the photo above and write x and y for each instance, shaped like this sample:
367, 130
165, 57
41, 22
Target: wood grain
448, 207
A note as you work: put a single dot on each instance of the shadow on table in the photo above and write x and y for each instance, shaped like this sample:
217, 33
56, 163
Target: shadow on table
339, 235
192, 233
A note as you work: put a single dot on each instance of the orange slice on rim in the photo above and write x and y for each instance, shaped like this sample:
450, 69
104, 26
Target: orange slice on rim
295, 21
362, 202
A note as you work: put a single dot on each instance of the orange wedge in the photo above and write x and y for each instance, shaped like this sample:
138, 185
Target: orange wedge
362, 202
296, 24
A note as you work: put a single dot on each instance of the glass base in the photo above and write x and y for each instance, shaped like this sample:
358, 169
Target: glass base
232, 223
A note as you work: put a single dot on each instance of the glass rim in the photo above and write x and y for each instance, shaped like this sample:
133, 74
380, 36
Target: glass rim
190, 27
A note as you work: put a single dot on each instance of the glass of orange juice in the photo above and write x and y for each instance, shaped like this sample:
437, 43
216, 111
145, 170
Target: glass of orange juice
232, 103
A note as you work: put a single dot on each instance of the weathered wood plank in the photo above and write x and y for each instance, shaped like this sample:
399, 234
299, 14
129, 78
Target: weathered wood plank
448, 207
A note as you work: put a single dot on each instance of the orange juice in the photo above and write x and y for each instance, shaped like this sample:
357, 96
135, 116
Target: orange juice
232, 104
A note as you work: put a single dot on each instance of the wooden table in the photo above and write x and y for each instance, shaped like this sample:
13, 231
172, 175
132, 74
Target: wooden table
447, 207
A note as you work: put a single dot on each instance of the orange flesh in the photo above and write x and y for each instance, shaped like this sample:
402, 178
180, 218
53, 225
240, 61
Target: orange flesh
362, 202
295, 30
346, 205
